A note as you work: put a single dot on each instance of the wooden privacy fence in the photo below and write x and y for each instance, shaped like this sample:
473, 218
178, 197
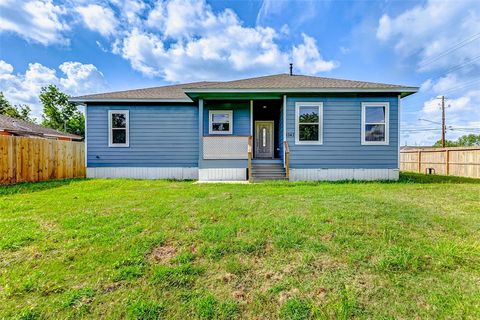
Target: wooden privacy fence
463, 162
25, 159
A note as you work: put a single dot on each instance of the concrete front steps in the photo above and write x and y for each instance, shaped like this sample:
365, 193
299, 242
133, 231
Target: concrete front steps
268, 171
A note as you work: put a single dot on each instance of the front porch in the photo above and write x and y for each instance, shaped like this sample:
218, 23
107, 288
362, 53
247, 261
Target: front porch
241, 138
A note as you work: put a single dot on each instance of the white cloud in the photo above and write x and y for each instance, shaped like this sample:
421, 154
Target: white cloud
296, 13
460, 112
35, 20
130, 10
186, 41
5, 68
307, 58
24, 88
99, 19
426, 85
429, 30
270, 8
434, 105
177, 40
441, 38
80, 78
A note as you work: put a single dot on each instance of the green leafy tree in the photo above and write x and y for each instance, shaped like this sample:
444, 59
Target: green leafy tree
448, 143
15, 111
59, 113
467, 140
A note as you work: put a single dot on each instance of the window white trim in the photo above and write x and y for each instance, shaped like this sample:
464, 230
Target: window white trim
230, 116
387, 122
320, 121
127, 128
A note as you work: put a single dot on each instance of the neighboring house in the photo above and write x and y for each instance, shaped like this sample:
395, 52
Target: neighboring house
408, 148
16, 127
332, 129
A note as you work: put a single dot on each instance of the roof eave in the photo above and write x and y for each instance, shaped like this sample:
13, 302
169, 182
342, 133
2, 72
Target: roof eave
402, 91
90, 100
301, 90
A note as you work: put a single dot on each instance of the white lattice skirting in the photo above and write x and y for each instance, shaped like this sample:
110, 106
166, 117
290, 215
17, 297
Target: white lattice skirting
343, 174
222, 174
233, 147
177, 173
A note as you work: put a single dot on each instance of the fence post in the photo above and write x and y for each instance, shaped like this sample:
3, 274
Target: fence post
447, 162
419, 160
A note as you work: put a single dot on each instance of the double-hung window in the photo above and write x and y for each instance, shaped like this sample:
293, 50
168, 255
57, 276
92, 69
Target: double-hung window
220, 122
375, 123
308, 122
118, 128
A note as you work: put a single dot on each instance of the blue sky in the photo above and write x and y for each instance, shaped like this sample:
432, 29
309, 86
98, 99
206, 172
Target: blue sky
90, 46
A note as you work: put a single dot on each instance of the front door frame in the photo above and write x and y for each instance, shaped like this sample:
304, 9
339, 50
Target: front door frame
272, 139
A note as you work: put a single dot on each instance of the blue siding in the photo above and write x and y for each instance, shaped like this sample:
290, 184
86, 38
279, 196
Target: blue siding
160, 136
342, 146
241, 116
167, 135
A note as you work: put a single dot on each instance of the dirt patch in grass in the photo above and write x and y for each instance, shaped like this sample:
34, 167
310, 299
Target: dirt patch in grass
162, 254
285, 295
112, 287
228, 277
239, 295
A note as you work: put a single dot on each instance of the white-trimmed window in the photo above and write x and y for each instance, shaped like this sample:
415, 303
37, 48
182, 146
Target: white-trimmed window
118, 128
220, 121
375, 119
308, 122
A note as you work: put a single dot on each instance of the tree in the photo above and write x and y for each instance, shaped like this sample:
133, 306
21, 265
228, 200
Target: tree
59, 113
467, 140
448, 143
16, 111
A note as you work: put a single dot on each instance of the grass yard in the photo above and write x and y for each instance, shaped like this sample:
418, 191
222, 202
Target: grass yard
178, 250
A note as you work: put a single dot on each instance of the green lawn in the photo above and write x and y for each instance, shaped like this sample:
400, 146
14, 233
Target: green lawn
178, 250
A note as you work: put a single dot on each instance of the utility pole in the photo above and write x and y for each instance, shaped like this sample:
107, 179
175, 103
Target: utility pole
443, 122
444, 127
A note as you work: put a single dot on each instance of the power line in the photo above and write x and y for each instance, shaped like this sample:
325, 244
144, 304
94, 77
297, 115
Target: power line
457, 67
450, 50
463, 85
449, 128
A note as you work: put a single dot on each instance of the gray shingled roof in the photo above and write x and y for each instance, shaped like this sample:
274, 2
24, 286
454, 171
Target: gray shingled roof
286, 81
23, 127
171, 92
273, 82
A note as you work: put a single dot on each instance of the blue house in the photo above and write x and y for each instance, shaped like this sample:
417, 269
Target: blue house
273, 127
